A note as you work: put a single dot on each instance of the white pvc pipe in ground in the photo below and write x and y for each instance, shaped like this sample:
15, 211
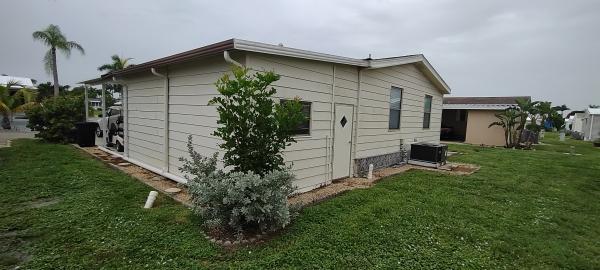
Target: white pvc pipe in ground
370, 175
151, 199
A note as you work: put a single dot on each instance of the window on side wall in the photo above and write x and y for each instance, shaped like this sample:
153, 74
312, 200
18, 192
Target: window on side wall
395, 107
304, 127
427, 111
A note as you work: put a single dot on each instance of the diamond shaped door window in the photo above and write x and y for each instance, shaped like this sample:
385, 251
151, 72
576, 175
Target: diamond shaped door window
343, 121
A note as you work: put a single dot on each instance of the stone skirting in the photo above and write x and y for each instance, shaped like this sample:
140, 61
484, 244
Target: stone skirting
361, 165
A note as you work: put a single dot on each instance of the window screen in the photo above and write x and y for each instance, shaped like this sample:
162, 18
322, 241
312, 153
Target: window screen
427, 111
395, 107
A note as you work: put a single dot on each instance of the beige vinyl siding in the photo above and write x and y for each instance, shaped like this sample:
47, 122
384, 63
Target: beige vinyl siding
145, 111
311, 81
192, 86
374, 137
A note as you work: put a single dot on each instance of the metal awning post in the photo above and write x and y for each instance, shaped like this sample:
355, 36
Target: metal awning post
85, 95
103, 120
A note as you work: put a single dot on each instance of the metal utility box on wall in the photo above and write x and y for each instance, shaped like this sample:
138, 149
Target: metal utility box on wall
427, 154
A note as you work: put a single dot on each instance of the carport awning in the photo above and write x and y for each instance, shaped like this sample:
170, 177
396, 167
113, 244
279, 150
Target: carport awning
97, 81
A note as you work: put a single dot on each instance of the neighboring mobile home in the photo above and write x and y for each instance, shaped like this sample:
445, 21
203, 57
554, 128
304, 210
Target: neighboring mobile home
574, 121
591, 124
467, 119
359, 111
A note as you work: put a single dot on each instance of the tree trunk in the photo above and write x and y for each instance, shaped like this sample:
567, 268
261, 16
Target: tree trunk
55, 73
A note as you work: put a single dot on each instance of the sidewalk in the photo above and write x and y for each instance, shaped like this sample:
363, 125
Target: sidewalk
6, 135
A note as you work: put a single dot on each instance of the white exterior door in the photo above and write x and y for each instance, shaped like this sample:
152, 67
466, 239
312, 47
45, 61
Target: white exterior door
342, 140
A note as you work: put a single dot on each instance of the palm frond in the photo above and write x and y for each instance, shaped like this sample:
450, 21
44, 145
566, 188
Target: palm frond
24, 107
4, 107
42, 36
27, 94
48, 62
105, 67
125, 63
498, 123
74, 45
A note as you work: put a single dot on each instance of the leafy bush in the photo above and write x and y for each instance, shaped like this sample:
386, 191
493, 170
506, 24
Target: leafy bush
55, 118
237, 202
254, 128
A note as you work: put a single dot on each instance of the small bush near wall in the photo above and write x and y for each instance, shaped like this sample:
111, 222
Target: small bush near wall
237, 204
55, 118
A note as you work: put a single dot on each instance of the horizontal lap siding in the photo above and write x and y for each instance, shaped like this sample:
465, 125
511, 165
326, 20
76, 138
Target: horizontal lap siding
374, 137
311, 81
145, 122
192, 86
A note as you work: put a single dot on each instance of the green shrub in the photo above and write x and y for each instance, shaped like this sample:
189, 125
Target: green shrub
237, 202
255, 129
55, 118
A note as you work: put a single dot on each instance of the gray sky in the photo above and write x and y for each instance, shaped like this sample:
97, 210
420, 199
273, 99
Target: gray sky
547, 49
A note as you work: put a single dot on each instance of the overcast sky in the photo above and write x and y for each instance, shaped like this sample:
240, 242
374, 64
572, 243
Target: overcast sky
547, 49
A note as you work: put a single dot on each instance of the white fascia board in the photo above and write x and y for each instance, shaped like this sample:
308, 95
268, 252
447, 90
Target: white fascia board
425, 66
593, 111
251, 46
395, 61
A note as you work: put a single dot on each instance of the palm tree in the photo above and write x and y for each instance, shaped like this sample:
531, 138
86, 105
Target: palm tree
508, 120
118, 63
526, 108
54, 38
16, 102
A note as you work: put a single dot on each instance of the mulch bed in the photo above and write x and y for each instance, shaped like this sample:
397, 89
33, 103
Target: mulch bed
156, 181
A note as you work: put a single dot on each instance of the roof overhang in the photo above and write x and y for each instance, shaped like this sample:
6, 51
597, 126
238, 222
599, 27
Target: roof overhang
593, 111
422, 64
488, 107
258, 47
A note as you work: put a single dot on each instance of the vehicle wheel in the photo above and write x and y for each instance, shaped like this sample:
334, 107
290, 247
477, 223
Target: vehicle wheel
99, 132
120, 147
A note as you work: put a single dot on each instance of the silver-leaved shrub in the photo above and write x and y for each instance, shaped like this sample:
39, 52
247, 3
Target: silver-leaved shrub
238, 202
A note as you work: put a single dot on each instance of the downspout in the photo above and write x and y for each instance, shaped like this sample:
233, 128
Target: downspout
332, 124
355, 144
228, 59
166, 119
591, 126
86, 100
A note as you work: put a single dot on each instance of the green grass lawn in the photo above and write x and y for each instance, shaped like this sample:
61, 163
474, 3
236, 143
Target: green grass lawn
523, 209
